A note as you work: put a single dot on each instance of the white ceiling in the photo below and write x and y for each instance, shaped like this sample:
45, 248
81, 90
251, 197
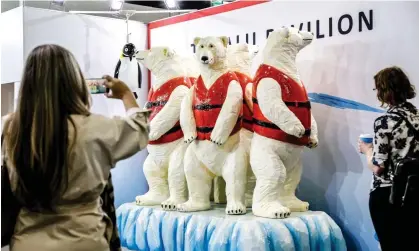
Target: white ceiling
87, 5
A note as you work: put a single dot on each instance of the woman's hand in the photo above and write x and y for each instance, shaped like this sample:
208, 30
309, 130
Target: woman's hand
119, 89
364, 148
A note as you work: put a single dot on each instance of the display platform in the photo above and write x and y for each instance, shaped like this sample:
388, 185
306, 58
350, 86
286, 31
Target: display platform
150, 228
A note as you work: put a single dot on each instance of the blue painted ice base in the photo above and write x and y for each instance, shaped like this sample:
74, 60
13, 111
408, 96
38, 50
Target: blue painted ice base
150, 228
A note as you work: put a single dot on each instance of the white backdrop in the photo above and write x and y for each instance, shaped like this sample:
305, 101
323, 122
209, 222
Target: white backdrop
337, 65
97, 44
11, 44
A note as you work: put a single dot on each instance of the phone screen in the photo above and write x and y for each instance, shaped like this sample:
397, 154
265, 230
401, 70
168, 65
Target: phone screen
96, 85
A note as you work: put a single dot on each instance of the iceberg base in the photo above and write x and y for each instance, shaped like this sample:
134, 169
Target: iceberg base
151, 228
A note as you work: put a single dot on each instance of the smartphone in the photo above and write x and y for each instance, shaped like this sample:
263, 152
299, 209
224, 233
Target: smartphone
97, 85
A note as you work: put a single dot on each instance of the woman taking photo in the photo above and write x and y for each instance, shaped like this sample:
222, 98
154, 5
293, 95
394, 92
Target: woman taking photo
394, 139
59, 156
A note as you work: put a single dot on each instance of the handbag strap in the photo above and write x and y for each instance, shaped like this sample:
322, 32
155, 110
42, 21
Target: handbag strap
411, 127
408, 124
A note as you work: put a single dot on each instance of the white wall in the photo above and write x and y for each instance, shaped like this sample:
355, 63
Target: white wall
11, 35
97, 44
7, 97
335, 177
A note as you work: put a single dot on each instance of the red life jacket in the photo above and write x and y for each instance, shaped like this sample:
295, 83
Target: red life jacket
294, 96
158, 99
247, 112
207, 104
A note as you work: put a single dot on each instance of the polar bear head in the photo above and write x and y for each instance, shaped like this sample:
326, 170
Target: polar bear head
238, 58
211, 51
191, 66
253, 51
155, 56
286, 42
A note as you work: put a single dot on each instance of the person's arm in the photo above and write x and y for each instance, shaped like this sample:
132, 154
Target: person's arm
373, 164
129, 101
377, 154
125, 136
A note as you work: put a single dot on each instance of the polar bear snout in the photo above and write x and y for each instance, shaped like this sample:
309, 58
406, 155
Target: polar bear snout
307, 38
141, 55
210, 50
206, 58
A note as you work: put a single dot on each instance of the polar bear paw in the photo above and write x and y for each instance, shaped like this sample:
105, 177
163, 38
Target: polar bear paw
192, 206
150, 199
170, 204
218, 143
313, 143
189, 139
234, 208
153, 135
296, 130
295, 204
273, 210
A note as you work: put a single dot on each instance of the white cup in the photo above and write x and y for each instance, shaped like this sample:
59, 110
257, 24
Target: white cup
366, 138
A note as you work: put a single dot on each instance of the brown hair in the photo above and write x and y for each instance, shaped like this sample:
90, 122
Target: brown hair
37, 138
393, 86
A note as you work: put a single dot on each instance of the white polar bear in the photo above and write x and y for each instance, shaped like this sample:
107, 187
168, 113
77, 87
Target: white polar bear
163, 167
239, 57
239, 60
211, 114
191, 65
283, 125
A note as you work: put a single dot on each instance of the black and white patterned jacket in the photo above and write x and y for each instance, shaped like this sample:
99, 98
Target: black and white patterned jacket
394, 139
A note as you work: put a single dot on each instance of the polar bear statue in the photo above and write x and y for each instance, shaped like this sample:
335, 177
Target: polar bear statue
211, 114
283, 125
239, 58
163, 167
191, 65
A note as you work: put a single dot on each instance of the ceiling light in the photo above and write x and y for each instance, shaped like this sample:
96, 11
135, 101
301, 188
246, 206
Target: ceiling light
116, 4
171, 4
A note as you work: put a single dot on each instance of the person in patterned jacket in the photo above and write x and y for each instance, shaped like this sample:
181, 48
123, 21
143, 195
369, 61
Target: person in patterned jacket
394, 139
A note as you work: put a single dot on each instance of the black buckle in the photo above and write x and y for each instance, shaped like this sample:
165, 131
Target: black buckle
206, 107
204, 129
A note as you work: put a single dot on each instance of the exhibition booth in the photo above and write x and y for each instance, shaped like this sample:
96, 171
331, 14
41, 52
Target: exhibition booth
351, 42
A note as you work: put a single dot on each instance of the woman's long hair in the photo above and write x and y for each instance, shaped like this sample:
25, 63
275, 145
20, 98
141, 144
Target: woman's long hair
37, 138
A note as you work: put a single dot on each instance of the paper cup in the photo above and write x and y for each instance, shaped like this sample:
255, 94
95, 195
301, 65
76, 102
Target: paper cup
366, 138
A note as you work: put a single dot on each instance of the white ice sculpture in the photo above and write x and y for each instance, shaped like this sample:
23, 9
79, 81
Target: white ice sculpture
211, 114
283, 125
163, 167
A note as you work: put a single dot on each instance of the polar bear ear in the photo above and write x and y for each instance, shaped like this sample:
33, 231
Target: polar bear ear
168, 53
196, 40
284, 32
224, 39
